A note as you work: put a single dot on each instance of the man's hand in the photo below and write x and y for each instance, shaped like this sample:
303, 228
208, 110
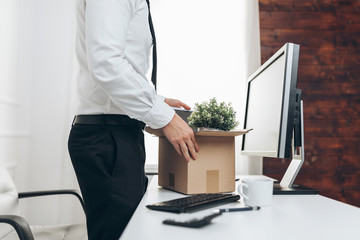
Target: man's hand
176, 103
181, 136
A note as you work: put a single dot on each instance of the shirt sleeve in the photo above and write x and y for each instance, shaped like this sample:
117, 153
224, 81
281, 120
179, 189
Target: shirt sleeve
107, 23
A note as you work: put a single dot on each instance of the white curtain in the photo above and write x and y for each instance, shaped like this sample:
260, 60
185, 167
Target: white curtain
206, 48
49, 28
37, 58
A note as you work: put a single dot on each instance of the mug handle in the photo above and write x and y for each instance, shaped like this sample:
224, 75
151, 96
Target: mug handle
240, 190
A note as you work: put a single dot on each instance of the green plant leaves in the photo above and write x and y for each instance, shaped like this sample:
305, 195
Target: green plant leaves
213, 115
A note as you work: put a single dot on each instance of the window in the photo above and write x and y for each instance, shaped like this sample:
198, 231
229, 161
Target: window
201, 54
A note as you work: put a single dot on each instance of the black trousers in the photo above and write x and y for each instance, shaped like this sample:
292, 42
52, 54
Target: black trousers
108, 159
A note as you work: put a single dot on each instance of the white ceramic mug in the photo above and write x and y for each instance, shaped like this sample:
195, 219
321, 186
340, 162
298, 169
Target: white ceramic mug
256, 191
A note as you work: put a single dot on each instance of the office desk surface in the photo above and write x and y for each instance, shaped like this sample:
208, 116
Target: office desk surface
289, 217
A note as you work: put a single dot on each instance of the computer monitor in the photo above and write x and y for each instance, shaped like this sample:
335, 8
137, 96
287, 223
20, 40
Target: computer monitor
274, 112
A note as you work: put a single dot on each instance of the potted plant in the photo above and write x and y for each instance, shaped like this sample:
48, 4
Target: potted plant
220, 116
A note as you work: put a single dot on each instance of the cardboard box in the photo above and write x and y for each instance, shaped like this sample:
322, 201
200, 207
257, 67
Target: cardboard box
213, 171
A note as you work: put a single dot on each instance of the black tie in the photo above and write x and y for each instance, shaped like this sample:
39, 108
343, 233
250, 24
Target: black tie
154, 56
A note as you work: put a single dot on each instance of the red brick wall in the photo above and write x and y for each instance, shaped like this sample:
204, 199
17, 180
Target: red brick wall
328, 32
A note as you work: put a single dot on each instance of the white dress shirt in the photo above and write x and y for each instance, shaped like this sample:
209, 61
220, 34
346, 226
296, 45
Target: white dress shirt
113, 47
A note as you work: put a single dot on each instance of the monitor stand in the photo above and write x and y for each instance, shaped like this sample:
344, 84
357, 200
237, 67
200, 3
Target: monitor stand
293, 190
286, 185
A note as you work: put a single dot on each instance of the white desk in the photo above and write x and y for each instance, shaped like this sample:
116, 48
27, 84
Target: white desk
300, 217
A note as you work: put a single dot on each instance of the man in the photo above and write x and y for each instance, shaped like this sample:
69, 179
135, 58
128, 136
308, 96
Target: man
106, 143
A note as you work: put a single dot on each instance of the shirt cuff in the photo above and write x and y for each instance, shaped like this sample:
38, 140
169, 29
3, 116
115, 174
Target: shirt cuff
160, 114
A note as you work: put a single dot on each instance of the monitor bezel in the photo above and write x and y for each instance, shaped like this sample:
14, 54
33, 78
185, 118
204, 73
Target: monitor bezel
291, 52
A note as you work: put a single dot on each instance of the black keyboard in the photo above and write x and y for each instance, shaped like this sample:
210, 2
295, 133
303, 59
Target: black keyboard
194, 203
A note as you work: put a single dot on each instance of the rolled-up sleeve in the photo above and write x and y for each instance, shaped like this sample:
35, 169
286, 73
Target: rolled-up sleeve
107, 23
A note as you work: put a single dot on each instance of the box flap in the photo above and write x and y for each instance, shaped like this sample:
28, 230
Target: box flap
208, 132
156, 132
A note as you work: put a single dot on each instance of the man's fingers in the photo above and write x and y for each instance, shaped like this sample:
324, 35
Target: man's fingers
185, 151
187, 148
191, 148
177, 148
185, 106
180, 104
182, 138
176, 103
196, 145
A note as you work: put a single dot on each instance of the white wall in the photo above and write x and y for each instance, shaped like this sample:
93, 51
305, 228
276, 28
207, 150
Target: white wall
207, 48
251, 57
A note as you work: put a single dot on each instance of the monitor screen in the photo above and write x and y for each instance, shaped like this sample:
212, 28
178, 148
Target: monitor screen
271, 105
